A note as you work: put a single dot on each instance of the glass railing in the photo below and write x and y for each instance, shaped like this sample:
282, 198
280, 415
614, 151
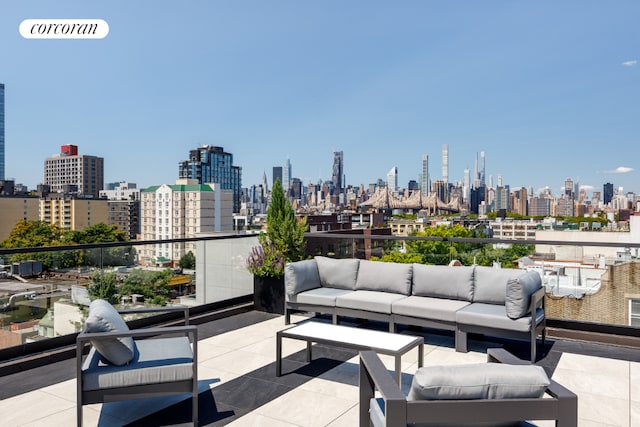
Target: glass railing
44, 292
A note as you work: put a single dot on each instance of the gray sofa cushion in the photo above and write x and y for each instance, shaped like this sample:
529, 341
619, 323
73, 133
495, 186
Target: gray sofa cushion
519, 291
441, 281
384, 277
338, 273
428, 308
320, 296
301, 276
478, 381
378, 302
491, 284
156, 361
103, 317
494, 316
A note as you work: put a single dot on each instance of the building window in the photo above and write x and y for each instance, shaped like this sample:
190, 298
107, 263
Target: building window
634, 311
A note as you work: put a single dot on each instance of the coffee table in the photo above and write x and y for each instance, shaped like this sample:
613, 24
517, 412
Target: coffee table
352, 338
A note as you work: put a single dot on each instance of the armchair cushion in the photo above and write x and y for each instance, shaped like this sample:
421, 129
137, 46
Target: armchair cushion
103, 317
519, 291
478, 381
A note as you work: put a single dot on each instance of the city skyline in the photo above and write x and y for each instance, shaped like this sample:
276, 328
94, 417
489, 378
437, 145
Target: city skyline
547, 91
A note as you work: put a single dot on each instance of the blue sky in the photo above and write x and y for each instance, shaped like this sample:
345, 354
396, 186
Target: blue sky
547, 89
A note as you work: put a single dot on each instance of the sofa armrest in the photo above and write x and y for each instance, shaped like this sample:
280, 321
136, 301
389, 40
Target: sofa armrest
375, 376
537, 301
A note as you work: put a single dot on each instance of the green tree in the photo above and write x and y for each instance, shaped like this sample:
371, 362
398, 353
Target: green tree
284, 231
153, 285
188, 261
103, 286
441, 251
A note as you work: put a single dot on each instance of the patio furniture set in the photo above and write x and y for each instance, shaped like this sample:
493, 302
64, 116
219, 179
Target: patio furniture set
124, 364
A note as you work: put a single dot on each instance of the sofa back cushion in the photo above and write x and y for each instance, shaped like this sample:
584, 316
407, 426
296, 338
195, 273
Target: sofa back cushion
478, 381
519, 291
385, 277
103, 317
490, 284
442, 281
338, 273
301, 276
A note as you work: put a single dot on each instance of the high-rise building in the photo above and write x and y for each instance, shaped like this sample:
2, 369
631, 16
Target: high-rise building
568, 189
607, 193
482, 170
466, 185
445, 163
72, 213
522, 201
182, 211
286, 176
277, 175
2, 171
338, 173
425, 185
212, 165
70, 172
124, 207
392, 179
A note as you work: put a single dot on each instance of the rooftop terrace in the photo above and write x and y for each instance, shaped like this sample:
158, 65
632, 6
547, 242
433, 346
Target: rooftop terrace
239, 387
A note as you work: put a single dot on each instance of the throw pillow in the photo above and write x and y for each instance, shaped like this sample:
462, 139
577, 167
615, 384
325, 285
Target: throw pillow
103, 317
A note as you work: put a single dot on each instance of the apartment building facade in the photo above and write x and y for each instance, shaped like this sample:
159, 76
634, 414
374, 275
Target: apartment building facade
183, 210
70, 172
72, 213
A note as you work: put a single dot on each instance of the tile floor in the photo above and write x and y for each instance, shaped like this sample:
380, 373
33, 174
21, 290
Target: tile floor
238, 367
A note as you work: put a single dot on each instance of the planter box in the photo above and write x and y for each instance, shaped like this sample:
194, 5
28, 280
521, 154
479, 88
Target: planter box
268, 294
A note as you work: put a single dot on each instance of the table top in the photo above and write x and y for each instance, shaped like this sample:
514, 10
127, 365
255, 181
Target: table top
353, 336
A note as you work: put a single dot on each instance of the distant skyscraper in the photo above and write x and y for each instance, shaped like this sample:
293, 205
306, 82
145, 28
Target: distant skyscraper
392, 179
466, 185
482, 170
568, 188
69, 172
424, 183
286, 176
445, 163
2, 177
212, 165
338, 172
607, 193
277, 175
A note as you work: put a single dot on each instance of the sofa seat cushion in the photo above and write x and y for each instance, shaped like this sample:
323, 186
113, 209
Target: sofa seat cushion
320, 296
103, 317
442, 281
337, 273
519, 291
494, 316
428, 308
155, 361
378, 302
491, 284
384, 277
301, 276
478, 381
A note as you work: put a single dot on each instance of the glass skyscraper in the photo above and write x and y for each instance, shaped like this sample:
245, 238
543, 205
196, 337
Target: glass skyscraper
210, 164
2, 131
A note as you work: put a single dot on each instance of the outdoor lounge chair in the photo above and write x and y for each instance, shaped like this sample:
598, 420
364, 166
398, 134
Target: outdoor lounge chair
394, 409
125, 364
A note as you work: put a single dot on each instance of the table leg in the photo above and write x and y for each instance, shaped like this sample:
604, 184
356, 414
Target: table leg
420, 355
308, 351
398, 370
278, 354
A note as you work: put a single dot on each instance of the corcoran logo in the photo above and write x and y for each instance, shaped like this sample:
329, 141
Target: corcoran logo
64, 28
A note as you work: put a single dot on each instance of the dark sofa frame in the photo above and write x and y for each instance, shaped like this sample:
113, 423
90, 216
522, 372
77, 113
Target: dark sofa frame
561, 404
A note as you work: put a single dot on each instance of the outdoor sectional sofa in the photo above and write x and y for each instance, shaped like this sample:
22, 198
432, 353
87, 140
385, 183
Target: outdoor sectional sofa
466, 299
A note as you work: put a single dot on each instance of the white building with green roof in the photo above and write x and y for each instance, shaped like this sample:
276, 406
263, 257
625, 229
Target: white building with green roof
179, 211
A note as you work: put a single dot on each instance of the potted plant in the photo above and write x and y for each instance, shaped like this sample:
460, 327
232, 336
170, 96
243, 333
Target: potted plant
282, 242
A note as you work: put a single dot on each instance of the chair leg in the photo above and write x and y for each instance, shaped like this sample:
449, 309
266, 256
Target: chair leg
287, 316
